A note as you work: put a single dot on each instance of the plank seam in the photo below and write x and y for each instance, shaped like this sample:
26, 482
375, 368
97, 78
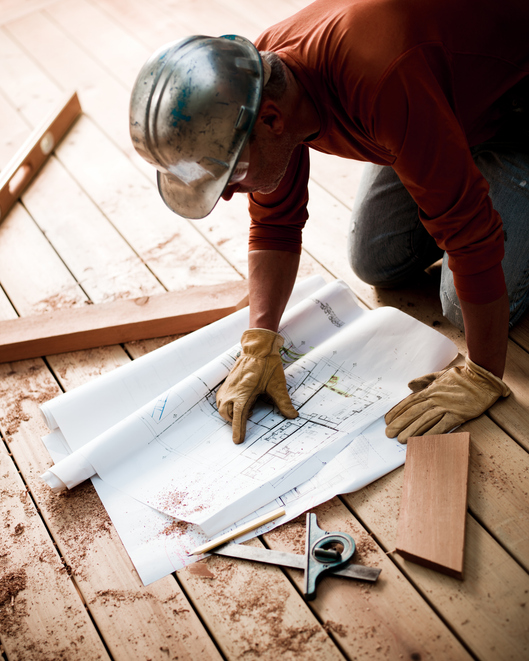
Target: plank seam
59, 86
9, 299
289, 576
79, 45
76, 281
60, 556
199, 616
490, 415
329, 192
486, 528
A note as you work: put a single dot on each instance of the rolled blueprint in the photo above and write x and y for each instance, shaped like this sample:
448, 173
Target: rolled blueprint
89, 410
132, 434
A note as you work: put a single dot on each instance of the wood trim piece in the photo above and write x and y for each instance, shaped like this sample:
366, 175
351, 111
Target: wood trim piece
28, 160
121, 321
431, 527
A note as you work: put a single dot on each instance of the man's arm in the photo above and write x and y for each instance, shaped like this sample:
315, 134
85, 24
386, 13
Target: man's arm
487, 332
259, 369
272, 274
444, 400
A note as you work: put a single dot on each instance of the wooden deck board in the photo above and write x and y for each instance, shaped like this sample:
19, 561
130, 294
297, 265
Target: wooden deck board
132, 620
92, 227
487, 609
36, 592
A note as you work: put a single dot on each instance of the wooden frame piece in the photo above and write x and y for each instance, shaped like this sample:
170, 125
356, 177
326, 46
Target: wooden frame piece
431, 527
121, 321
28, 160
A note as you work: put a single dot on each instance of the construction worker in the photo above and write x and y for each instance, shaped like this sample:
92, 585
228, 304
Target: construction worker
431, 94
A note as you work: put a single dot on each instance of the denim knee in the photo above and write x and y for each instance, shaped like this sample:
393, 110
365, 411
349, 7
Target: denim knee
361, 262
518, 305
452, 310
449, 299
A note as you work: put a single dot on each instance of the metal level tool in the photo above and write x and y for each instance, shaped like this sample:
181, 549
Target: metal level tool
321, 557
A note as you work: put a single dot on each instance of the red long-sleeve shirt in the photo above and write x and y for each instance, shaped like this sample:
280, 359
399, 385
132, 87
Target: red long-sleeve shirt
412, 84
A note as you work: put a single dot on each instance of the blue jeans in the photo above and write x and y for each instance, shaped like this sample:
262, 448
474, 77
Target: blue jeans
388, 245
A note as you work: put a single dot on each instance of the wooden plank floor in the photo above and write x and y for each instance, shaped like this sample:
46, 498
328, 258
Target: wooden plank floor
92, 228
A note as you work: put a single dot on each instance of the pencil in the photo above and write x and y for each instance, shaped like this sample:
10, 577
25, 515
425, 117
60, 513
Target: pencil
237, 532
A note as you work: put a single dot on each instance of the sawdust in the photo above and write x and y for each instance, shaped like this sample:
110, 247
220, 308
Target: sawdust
297, 640
492, 474
175, 528
87, 364
15, 624
11, 585
116, 597
201, 569
20, 396
170, 499
80, 518
154, 251
68, 298
290, 535
367, 550
13, 606
12, 529
19, 529
268, 604
335, 627
259, 615
24, 589
173, 502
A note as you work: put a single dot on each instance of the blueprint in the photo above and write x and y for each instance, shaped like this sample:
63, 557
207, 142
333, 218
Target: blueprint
159, 544
163, 455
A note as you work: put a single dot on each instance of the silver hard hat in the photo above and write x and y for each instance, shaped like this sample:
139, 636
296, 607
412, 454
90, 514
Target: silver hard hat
192, 109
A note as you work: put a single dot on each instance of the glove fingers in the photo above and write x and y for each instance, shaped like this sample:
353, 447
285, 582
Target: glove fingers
445, 425
422, 415
422, 382
402, 407
227, 411
224, 406
277, 390
421, 426
434, 421
241, 411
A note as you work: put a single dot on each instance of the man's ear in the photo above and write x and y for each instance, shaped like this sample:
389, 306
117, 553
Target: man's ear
271, 117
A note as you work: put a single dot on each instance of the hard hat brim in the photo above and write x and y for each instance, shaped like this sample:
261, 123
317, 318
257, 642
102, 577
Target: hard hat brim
193, 202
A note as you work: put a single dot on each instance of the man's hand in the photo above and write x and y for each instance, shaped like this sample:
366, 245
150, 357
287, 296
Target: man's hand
258, 370
444, 400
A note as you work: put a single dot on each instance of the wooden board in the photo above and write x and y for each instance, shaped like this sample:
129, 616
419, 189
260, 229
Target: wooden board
431, 529
121, 321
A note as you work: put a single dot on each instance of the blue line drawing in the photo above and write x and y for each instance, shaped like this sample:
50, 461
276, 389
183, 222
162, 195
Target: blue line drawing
159, 408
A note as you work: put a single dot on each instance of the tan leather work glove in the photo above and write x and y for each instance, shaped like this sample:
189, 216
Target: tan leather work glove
444, 400
258, 370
